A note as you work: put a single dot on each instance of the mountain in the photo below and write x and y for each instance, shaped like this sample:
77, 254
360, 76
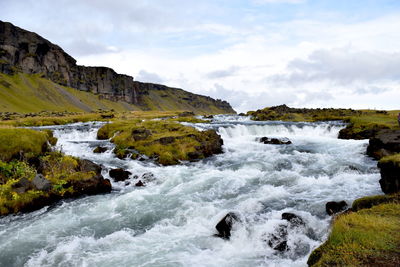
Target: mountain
30, 61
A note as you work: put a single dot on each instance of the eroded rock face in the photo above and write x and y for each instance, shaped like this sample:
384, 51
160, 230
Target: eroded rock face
333, 207
390, 177
385, 142
25, 51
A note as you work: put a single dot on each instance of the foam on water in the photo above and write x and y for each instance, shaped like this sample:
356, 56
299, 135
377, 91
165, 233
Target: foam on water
171, 221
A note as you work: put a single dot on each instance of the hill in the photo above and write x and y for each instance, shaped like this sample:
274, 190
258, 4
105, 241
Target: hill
32, 66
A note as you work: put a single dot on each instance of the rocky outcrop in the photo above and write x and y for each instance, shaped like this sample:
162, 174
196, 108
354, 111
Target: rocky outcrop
384, 143
333, 207
224, 226
390, 176
25, 51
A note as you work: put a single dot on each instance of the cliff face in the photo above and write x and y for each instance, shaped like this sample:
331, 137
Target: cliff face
27, 52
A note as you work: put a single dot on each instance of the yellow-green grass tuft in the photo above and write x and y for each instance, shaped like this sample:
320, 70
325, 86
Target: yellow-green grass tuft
393, 159
21, 143
369, 237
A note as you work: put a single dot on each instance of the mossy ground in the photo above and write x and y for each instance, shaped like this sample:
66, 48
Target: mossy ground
392, 159
362, 123
368, 237
166, 141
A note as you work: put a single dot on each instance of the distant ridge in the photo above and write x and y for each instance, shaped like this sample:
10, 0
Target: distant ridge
26, 52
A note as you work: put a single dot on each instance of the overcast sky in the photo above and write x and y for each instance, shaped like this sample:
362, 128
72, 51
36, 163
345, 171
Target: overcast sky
252, 53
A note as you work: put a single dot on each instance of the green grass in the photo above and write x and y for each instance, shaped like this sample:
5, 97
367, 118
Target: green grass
181, 140
21, 143
368, 202
369, 237
393, 159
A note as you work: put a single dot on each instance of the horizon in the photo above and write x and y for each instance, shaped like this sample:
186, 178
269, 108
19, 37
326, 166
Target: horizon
253, 54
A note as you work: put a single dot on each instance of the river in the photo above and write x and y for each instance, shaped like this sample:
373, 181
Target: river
171, 221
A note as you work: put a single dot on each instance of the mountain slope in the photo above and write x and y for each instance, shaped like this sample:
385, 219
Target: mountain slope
26, 52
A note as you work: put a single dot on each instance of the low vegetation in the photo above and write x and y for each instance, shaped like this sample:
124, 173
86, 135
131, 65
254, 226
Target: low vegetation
31, 176
392, 159
165, 141
362, 124
368, 237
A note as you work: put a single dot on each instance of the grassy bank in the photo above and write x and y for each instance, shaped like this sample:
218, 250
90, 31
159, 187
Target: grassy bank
31, 176
362, 124
166, 141
368, 236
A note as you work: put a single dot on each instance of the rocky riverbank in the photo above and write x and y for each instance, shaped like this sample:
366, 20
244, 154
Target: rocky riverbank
32, 176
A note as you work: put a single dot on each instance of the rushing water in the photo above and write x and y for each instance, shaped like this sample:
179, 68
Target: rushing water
171, 221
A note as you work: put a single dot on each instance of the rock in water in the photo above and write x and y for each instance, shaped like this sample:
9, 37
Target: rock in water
119, 174
224, 226
333, 207
275, 141
278, 240
41, 183
100, 149
293, 219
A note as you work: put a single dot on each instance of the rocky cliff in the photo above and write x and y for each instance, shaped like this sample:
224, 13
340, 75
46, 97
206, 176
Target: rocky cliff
27, 52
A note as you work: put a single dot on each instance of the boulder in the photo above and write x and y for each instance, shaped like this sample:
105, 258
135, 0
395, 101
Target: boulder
333, 207
119, 174
41, 183
139, 184
390, 177
293, 219
278, 240
88, 166
384, 143
275, 141
92, 186
100, 149
224, 226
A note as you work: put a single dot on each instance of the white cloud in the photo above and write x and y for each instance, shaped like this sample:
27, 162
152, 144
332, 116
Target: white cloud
279, 1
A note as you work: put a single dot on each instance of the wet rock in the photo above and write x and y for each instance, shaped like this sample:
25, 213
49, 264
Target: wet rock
139, 184
41, 183
140, 134
22, 185
224, 226
293, 219
88, 166
91, 186
209, 117
390, 177
278, 240
100, 149
148, 177
119, 174
275, 141
333, 207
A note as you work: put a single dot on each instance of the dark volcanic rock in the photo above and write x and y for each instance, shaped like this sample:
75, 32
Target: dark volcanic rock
119, 174
139, 183
278, 240
88, 166
224, 226
384, 143
333, 207
390, 177
100, 149
275, 141
293, 219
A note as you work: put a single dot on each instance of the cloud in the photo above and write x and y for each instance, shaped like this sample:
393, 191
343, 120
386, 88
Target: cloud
218, 74
86, 47
342, 66
279, 1
145, 76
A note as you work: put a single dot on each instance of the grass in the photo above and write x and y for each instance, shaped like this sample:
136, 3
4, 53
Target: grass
21, 143
392, 159
166, 141
368, 237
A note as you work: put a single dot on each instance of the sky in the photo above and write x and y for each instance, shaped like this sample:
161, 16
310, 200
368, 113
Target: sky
252, 53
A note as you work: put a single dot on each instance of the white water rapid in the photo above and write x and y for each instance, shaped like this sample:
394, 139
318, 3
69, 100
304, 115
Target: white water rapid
171, 221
